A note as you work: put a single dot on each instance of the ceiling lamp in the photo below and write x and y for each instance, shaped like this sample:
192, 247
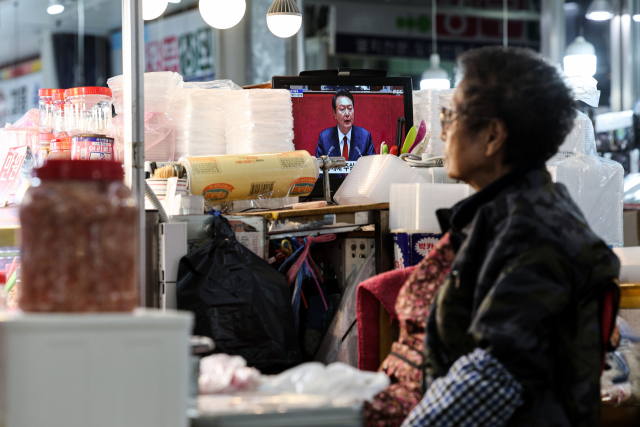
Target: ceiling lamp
222, 14
636, 18
580, 59
55, 7
435, 77
152, 9
284, 18
600, 10
175, 1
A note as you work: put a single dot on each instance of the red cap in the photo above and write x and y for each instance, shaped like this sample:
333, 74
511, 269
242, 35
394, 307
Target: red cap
61, 144
90, 90
60, 96
49, 92
80, 170
46, 137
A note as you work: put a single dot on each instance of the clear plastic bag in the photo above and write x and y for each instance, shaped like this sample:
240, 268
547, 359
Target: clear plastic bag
159, 137
338, 380
221, 373
596, 185
620, 381
340, 343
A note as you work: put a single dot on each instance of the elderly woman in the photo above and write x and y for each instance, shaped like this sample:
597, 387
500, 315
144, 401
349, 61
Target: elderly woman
513, 336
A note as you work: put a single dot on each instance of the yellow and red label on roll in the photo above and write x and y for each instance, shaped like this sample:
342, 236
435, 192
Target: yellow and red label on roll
301, 187
215, 192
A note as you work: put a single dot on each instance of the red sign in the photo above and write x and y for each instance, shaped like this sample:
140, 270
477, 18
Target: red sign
10, 172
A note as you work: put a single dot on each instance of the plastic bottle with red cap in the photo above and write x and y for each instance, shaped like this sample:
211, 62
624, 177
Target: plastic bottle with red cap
82, 258
59, 124
88, 110
46, 108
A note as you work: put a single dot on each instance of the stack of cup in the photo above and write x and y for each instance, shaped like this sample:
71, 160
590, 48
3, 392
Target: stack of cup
198, 114
258, 121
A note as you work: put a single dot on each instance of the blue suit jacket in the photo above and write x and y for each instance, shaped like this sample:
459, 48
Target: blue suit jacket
361, 144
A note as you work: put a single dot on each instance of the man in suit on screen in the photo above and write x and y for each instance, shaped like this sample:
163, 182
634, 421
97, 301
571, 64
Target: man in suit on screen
345, 139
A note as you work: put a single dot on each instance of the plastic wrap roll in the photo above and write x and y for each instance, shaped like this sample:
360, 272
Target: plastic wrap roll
254, 176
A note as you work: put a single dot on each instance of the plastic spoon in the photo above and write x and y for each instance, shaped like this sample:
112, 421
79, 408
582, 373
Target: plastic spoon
422, 132
408, 142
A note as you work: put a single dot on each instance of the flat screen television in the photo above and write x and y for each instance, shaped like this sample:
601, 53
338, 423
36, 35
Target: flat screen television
371, 119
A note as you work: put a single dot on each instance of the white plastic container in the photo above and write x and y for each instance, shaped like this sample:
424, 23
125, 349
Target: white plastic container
88, 110
370, 180
79, 370
413, 206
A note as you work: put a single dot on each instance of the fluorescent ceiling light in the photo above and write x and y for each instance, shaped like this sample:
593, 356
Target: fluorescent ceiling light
600, 10
435, 77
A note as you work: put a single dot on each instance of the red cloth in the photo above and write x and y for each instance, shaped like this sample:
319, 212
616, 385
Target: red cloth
381, 289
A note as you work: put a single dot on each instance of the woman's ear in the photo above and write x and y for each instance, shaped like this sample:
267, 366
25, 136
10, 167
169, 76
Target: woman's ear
496, 137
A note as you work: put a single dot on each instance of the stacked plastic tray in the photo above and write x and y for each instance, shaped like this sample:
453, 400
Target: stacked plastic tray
413, 206
198, 114
159, 90
258, 121
370, 179
426, 106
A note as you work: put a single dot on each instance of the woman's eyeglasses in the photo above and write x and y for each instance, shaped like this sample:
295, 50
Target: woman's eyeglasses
448, 116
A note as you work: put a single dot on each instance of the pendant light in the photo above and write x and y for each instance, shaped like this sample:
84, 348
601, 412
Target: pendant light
600, 10
434, 77
284, 18
152, 9
222, 14
580, 59
55, 7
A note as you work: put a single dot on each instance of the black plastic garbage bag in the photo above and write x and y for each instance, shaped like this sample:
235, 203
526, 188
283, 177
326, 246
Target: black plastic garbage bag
239, 301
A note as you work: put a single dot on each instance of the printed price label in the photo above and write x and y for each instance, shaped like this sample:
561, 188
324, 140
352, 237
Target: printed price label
345, 169
296, 93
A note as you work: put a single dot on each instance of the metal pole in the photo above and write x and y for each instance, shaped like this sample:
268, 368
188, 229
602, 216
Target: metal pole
133, 70
552, 30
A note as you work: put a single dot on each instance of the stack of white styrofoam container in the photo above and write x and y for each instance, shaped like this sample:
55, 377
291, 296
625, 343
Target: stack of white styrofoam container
370, 180
413, 206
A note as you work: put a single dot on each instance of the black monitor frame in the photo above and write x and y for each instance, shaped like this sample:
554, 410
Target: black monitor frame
285, 82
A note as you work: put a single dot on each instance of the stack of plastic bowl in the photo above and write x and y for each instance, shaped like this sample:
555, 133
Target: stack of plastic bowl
198, 114
159, 188
258, 121
159, 91
370, 180
426, 106
413, 206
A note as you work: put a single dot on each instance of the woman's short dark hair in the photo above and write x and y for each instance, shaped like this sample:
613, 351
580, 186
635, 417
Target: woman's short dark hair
525, 91
339, 93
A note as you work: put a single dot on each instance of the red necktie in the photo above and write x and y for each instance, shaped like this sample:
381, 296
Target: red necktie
345, 149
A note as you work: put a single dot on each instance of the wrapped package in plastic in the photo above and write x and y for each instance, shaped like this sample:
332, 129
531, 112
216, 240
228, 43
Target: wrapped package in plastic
258, 121
581, 139
199, 116
159, 137
596, 185
23, 132
159, 91
370, 180
336, 380
620, 381
340, 343
221, 373
256, 176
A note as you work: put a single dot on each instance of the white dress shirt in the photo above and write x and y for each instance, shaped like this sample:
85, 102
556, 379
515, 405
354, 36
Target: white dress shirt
341, 139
